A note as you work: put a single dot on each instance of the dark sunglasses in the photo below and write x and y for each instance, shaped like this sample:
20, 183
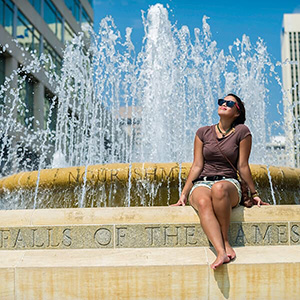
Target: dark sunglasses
229, 103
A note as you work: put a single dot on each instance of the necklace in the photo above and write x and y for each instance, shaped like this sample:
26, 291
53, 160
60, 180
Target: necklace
223, 134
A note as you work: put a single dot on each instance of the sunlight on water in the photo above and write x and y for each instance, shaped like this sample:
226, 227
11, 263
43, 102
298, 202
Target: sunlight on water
117, 105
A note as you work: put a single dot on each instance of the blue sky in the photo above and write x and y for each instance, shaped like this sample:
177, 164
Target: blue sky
228, 21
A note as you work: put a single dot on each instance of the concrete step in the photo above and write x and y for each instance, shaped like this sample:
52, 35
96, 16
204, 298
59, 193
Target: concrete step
146, 253
268, 272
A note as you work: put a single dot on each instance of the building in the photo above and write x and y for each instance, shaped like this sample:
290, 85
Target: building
26, 27
276, 151
290, 53
42, 26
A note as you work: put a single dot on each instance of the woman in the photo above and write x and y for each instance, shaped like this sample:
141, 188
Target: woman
212, 185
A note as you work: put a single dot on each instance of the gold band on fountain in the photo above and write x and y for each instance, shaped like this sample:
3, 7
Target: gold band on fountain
151, 172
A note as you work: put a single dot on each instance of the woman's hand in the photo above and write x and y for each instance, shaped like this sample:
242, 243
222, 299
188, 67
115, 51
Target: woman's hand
257, 201
181, 202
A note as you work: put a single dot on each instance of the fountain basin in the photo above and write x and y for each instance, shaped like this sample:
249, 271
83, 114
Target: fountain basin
136, 184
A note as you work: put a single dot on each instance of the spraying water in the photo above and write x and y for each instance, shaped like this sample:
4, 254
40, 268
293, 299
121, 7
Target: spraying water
116, 105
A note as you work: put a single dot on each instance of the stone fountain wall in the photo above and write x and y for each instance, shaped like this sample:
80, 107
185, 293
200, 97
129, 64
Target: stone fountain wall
137, 184
146, 253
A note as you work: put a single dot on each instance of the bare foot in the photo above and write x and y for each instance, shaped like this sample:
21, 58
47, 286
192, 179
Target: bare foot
220, 260
230, 252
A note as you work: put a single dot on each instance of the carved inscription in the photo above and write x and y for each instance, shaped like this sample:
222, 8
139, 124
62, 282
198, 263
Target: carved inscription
167, 235
152, 234
103, 236
144, 236
190, 235
23, 238
95, 176
4, 237
247, 234
120, 236
295, 233
270, 234
57, 237
240, 237
101, 175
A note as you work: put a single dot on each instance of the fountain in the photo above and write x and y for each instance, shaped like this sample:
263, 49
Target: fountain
123, 118
129, 108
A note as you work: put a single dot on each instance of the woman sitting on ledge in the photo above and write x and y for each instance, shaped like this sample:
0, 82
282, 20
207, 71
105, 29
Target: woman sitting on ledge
212, 186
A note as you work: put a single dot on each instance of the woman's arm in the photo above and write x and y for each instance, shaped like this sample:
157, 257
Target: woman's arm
244, 169
194, 172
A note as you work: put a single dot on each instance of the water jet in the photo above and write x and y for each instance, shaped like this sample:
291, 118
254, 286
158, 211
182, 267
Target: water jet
71, 224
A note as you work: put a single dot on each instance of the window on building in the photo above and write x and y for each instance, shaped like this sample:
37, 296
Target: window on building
53, 18
50, 111
85, 19
7, 15
27, 35
291, 46
36, 4
295, 46
25, 110
56, 59
74, 7
2, 69
2, 75
2, 12
68, 33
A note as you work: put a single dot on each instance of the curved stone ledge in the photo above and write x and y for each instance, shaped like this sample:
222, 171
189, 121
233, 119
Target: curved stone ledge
152, 172
147, 184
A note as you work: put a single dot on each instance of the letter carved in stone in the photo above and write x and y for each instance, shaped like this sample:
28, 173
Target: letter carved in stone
50, 242
19, 241
295, 234
67, 240
168, 235
151, 231
34, 240
103, 236
240, 237
190, 235
4, 236
120, 236
282, 234
260, 238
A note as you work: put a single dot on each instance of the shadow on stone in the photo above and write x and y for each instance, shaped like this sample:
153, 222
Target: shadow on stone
237, 232
222, 279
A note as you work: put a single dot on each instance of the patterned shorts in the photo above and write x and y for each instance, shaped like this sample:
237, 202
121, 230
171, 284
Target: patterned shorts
209, 184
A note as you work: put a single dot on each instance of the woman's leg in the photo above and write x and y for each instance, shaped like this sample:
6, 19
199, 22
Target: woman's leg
201, 200
224, 197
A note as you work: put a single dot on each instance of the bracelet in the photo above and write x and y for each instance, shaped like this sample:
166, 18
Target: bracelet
255, 194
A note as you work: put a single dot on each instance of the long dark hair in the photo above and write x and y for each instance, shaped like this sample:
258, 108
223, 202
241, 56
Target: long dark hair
242, 116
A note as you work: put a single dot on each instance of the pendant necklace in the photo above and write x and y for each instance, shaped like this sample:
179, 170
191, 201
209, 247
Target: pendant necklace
223, 134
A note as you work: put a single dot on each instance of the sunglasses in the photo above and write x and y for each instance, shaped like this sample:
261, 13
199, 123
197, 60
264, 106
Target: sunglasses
229, 103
